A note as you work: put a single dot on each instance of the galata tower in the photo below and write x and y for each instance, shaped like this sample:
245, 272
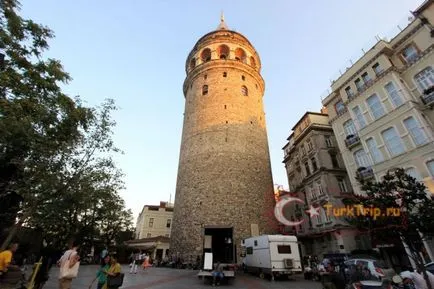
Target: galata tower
224, 190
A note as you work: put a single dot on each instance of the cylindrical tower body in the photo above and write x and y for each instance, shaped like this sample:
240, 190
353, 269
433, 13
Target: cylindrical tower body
224, 174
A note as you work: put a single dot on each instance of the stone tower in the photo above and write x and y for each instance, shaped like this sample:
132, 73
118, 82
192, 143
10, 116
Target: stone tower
224, 185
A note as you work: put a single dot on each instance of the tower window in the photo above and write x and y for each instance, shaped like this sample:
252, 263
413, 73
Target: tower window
225, 74
240, 55
252, 62
225, 106
243, 77
193, 63
206, 55
223, 51
205, 90
205, 76
244, 90
227, 122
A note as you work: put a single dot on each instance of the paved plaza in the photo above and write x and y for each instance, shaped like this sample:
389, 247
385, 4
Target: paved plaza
161, 278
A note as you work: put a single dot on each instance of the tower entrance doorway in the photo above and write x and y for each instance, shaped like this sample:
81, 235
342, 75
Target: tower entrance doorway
219, 242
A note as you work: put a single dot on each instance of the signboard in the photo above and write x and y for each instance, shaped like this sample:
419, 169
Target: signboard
207, 263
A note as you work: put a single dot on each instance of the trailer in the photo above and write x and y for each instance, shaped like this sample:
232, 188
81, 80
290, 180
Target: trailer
272, 255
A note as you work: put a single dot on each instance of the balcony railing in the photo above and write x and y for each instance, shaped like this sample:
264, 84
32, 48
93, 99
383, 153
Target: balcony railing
365, 173
352, 140
428, 96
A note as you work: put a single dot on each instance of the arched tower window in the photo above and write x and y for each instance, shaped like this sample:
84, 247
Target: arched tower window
206, 55
252, 62
223, 51
240, 55
193, 63
244, 90
205, 90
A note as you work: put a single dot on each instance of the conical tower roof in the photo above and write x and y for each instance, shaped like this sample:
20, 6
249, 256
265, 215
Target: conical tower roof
222, 25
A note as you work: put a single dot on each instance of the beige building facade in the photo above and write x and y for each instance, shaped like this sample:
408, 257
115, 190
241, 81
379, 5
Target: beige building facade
224, 190
381, 108
154, 221
317, 175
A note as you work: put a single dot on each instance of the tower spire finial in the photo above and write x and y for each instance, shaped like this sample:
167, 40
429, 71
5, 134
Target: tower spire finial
222, 25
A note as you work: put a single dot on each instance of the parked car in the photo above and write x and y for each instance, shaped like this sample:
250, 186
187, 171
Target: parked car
430, 267
377, 268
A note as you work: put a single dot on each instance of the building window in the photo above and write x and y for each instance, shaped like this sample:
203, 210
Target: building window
349, 92
366, 78
320, 190
148, 235
417, 133
359, 84
240, 55
334, 159
244, 91
375, 106
206, 55
393, 142
430, 166
326, 216
362, 159
349, 128
377, 69
151, 222
376, 154
314, 165
394, 94
306, 166
342, 185
410, 53
205, 90
359, 117
425, 78
303, 151
225, 74
223, 51
309, 145
318, 219
328, 141
414, 173
312, 193
169, 223
340, 107
243, 77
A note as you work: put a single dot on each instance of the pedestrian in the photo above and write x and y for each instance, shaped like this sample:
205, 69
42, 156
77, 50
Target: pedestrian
70, 258
6, 259
101, 274
135, 263
330, 278
47, 255
114, 271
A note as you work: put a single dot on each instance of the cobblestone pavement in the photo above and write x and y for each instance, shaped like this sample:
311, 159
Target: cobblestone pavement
165, 278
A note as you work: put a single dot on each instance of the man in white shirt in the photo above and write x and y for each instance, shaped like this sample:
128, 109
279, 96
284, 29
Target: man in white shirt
72, 257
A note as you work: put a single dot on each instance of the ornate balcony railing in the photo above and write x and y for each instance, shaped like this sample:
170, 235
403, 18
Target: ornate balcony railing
352, 140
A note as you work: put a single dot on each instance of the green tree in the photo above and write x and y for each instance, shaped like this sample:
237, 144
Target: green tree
52, 148
411, 219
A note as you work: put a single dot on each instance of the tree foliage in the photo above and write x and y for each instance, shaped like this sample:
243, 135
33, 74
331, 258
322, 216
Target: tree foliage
412, 218
55, 153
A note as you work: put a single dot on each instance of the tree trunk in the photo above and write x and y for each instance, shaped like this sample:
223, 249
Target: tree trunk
11, 234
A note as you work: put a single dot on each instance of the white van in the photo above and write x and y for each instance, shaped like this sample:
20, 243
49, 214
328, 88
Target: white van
272, 255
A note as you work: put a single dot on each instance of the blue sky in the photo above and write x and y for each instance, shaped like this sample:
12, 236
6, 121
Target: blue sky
134, 52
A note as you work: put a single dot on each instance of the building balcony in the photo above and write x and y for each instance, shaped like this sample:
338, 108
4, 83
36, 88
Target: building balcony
365, 173
352, 140
428, 96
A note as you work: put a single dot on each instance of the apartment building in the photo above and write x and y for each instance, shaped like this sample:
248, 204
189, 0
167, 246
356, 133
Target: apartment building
381, 109
317, 175
154, 221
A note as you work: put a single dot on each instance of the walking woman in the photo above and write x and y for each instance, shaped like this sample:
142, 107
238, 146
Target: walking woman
101, 274
113, 272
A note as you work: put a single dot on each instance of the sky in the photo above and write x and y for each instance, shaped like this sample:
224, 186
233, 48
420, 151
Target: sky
134, 52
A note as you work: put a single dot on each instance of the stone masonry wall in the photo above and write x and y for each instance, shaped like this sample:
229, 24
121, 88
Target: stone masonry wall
224, 174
